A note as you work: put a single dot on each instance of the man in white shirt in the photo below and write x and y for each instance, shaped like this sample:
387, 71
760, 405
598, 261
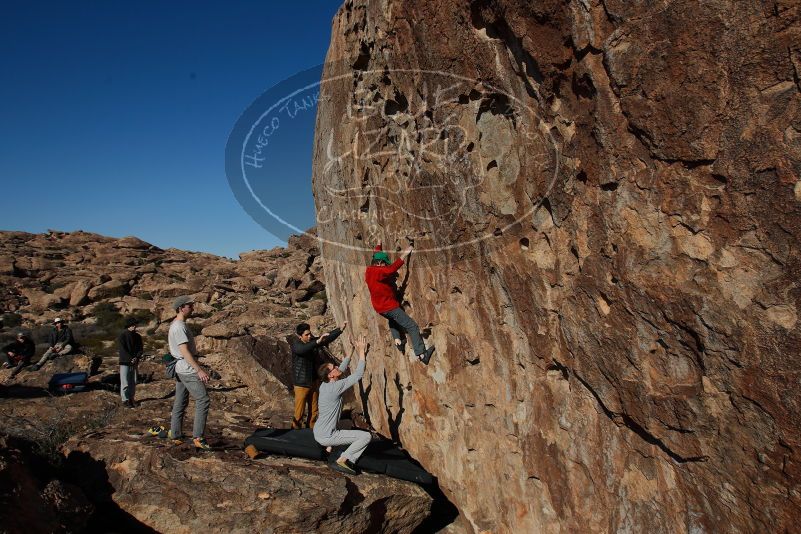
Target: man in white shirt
190, 377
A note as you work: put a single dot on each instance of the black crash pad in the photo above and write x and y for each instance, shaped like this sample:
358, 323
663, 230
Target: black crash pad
381, 456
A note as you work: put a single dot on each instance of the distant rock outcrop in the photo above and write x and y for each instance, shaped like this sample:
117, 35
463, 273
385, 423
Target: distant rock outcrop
111, 475
607, 200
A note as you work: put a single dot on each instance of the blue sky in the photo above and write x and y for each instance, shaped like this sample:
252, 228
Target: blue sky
114, 116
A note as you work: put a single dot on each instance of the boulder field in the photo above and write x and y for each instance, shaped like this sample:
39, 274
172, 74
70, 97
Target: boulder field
84, 463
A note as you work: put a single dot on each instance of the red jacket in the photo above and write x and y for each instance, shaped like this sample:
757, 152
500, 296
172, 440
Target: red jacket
381, 282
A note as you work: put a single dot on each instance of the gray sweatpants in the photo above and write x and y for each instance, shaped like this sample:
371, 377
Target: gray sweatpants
358, 440
185, 385
50, 354
127, 382
399, 321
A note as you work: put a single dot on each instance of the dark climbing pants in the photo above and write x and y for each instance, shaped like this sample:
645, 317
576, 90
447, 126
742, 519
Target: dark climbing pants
17, 363
399, 322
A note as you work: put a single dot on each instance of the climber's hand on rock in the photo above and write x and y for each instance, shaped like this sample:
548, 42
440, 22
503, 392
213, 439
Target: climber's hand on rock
407, 251
362, 346
344, 325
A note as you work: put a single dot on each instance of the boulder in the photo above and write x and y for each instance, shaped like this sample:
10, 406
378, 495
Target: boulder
112, 288
7, 265
604, 201
236, 494
133, 243
39, 300
79, 295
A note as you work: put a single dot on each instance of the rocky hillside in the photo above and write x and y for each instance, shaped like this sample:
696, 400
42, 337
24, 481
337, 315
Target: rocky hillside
84, 463
606, 198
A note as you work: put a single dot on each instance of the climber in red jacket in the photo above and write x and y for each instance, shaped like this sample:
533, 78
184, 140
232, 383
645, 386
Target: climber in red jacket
381, 280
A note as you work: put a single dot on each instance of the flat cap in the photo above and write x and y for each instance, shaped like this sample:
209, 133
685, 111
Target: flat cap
182, 300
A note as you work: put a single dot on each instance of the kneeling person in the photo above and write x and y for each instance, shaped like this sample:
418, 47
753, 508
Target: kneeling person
331, 390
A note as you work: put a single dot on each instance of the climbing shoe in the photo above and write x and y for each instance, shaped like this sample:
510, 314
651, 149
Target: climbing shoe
200, 444
157, 431
426, 356
343, 465
252, 452
176, 440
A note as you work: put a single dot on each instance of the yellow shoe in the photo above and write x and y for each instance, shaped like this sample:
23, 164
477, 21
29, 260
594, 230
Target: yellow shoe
252, 452
200, 443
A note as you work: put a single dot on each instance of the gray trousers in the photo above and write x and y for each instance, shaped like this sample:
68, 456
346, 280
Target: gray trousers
358, 440
50, 354
186, 385
127, 382
399, 321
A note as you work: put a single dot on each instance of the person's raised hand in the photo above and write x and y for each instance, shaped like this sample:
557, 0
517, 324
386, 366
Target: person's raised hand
344, 325
362, 346
408, 251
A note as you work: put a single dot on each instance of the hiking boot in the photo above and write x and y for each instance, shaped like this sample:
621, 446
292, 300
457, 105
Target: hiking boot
252, 452
200, 444
426, 356
343, 465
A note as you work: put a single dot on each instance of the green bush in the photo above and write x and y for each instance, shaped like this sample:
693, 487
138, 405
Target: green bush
111, 320
108, 318
11, 320
143, 317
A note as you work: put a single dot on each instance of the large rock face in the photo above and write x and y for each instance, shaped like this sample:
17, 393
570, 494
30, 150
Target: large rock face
607, 199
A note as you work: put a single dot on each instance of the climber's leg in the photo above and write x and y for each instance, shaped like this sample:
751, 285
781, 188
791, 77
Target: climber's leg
409, 326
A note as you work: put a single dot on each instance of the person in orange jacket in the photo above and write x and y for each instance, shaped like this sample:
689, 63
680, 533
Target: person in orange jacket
381, 278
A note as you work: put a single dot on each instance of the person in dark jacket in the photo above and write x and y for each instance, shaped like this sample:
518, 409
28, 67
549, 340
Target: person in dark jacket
130, 347
61, 342
381, 277
18, 354
306, 357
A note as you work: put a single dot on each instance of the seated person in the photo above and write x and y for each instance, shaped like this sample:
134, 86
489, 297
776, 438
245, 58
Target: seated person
61, 342
18, 354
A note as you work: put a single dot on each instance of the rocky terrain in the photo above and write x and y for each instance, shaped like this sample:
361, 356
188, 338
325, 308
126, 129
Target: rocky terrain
84, 463
606, 201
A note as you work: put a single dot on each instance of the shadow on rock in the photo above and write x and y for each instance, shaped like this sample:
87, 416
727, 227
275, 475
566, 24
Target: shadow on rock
90, 475
443, 511
22, 392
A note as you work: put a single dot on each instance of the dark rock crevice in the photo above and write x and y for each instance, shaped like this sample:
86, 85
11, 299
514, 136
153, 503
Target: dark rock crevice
623, 419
